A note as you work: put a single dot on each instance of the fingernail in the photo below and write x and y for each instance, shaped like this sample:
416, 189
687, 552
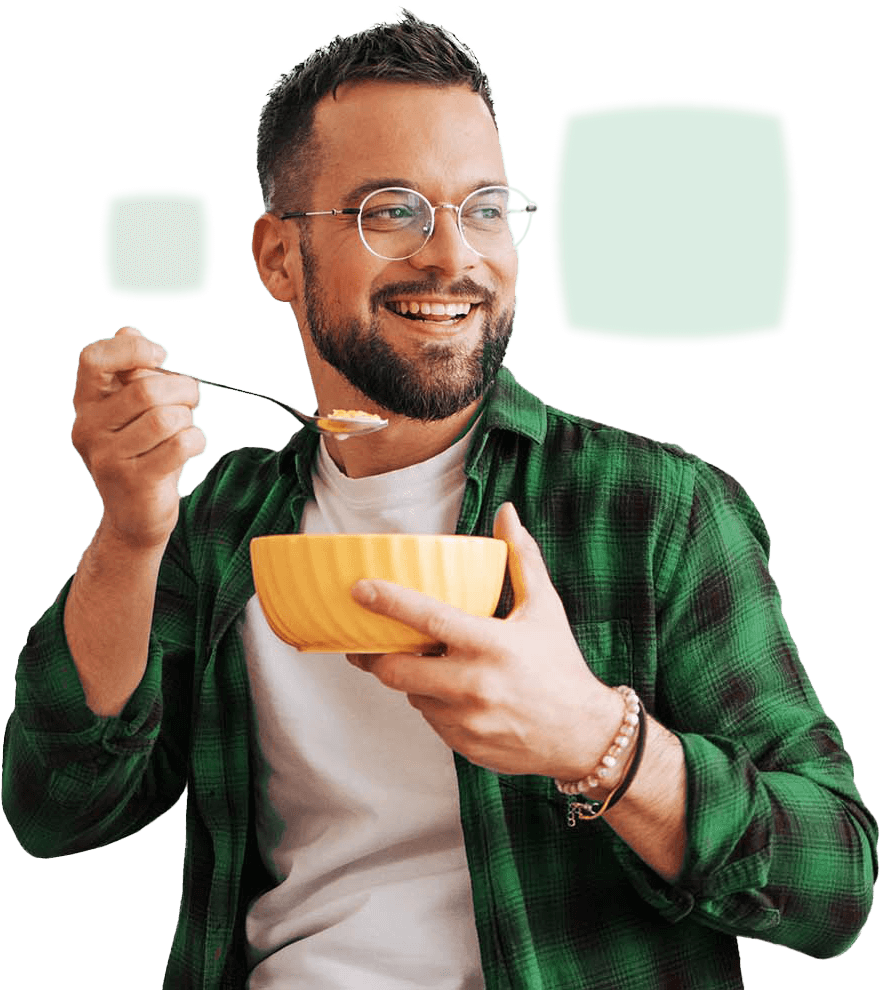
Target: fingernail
499, 509
364, 592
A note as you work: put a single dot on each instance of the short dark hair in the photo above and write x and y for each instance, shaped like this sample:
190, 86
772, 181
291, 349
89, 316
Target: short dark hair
411, 51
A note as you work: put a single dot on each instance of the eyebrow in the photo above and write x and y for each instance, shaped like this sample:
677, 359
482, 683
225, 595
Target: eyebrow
356, 195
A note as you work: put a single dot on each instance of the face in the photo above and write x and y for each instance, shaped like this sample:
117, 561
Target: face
442, 143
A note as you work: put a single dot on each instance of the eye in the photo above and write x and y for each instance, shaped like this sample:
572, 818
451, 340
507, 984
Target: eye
485, 211
391, 216
390, 213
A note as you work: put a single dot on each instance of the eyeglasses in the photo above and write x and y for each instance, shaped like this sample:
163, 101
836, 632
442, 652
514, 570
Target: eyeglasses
396, 223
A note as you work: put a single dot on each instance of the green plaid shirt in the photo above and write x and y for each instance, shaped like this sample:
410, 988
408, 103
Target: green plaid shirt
661, 562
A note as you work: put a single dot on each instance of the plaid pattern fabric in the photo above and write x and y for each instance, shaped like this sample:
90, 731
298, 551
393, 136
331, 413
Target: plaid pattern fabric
661, 562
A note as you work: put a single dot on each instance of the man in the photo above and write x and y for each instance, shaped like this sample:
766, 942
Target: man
403, 821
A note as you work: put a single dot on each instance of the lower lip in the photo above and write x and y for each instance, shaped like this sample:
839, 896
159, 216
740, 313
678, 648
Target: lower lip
437, 327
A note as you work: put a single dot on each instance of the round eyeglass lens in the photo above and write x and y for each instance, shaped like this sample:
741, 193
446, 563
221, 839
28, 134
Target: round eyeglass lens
495, 219
396, 223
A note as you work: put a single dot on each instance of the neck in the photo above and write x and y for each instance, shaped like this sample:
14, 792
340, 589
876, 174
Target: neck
402, 443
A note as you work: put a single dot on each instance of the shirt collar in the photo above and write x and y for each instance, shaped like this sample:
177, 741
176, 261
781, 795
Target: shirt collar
509, 407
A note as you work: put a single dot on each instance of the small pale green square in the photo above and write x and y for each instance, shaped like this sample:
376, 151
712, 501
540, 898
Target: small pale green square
156, 244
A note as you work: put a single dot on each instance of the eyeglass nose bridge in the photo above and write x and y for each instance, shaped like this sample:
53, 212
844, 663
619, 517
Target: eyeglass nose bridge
429, 228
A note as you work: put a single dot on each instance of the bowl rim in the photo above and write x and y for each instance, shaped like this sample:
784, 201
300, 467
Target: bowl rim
376, 536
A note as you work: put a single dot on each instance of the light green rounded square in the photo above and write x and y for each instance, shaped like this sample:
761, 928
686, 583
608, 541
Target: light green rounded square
674, 221
156, 244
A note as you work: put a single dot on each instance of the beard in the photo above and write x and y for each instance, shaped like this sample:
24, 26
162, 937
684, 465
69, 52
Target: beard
444, 379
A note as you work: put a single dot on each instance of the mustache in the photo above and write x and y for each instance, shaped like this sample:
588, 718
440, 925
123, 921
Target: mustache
462, 288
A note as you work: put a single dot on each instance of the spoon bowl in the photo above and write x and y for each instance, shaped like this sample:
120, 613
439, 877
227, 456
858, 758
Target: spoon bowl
339, 423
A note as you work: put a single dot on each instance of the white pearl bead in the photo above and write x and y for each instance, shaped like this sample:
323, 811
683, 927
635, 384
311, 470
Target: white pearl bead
621, 741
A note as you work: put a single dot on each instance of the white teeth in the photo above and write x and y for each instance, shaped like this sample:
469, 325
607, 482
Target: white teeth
430, 309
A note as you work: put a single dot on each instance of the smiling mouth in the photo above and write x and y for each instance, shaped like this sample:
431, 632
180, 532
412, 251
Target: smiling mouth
424, 311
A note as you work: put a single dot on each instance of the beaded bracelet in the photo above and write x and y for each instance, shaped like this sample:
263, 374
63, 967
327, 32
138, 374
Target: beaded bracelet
633, 724
590, 810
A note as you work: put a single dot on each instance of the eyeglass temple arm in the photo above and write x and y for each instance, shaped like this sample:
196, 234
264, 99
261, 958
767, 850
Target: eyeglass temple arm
351, 211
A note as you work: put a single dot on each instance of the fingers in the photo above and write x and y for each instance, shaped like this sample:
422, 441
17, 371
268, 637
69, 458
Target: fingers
166, 458
139, 416
170, 427
147, 392
134, 430
101, 362
115, 386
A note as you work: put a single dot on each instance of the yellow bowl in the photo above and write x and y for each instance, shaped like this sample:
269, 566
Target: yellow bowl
304, 585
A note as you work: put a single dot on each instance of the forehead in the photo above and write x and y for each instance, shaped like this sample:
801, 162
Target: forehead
441, 140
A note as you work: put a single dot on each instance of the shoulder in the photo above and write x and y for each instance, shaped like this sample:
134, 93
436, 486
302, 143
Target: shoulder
607, 461
236, 480
246, 488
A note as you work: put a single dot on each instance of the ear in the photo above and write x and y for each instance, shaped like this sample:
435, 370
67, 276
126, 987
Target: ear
276, 251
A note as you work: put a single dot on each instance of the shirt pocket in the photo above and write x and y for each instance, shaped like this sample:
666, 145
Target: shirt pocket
607, 649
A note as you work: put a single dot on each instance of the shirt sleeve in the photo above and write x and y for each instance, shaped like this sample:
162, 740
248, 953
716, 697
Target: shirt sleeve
779, 843
73, 780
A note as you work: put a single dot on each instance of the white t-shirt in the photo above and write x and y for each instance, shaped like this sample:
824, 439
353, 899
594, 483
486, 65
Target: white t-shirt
357, 798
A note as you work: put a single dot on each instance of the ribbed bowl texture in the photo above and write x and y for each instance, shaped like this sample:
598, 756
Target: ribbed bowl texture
304, 585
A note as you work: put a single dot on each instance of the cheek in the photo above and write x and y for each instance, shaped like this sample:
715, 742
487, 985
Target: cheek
352, 277
506, 276
345, 269
513, 273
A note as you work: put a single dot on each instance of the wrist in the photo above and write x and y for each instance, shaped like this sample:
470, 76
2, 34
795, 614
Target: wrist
114, 541
590, 735
607, 783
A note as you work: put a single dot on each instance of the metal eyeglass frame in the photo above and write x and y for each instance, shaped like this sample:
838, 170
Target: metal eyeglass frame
356, 210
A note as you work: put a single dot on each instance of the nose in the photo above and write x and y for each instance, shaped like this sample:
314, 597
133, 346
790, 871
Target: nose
446, 250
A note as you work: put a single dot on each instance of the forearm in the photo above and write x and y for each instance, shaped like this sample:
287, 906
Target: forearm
107, 619
651, 816
754, 844
73, 778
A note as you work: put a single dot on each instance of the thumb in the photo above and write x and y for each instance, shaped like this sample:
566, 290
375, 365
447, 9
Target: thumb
506, 523
525, 562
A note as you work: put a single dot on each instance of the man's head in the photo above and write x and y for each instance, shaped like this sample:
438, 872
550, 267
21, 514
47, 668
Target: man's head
401, 105
411, 51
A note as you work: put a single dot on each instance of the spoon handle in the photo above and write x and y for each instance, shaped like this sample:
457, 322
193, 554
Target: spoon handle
204, 381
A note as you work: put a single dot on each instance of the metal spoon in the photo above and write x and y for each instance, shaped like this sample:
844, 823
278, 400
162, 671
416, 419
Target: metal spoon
341, 427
